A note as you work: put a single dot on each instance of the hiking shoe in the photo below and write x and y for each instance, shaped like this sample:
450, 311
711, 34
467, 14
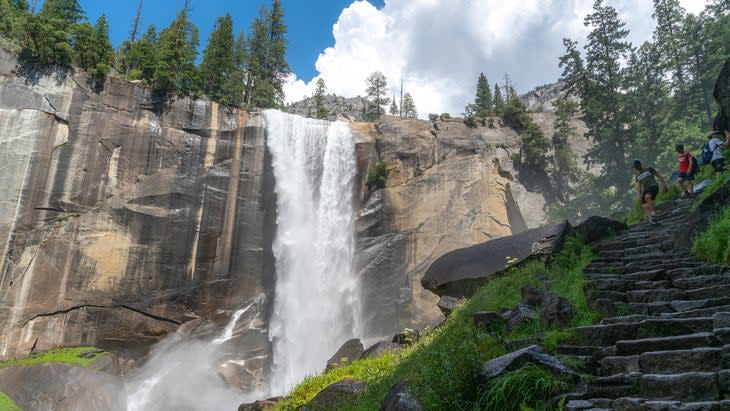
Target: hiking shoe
653, 222
684, 195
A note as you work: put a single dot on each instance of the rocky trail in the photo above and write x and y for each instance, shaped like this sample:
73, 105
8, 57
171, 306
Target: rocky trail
665, 341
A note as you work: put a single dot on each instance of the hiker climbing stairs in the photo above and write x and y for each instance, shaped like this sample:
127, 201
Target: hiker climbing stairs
665, 341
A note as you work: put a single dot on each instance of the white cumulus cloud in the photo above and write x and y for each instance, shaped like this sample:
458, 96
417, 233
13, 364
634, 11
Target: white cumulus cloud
439, 47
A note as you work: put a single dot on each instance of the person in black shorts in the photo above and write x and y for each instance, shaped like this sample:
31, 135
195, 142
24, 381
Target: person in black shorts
648, 188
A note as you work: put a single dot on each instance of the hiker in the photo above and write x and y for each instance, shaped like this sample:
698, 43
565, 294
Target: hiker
716, 146
648, 188
687, 170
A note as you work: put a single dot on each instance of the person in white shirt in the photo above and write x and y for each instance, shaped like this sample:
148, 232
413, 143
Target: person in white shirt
716, 148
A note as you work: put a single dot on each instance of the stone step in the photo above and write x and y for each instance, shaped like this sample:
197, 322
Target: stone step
576, 350
700, 281
609, 334
703, 359
677, 342
643, 404
689, 386
612, 307
699, 312
622, 285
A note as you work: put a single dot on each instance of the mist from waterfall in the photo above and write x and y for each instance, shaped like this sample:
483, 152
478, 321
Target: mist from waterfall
316, 298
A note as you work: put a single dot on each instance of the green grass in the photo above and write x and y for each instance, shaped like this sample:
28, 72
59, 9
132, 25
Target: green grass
713, 244
7, 404
526, 388
442, 368
83, 356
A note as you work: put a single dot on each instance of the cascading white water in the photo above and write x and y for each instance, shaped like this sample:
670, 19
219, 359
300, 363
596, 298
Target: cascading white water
316, 301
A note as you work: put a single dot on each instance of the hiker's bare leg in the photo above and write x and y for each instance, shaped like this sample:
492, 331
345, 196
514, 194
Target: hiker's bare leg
649, 205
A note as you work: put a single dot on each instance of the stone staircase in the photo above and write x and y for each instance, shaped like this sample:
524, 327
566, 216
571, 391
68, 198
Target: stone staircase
665, 341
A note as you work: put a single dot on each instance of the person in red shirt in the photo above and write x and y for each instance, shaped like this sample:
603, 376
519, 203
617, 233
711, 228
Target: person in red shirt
686, 176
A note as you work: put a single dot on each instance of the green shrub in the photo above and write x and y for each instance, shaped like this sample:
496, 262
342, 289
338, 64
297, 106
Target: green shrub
377, 176
445, 116
433, 117
712, 245
526, 388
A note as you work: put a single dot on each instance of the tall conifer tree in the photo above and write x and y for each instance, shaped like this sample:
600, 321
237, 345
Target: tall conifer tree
175, 70
219, 62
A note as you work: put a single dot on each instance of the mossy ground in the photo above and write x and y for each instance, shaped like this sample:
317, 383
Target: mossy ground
83, 356
442, 368
7, 404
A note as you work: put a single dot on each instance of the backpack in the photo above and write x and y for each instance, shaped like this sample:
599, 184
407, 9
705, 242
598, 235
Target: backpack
693, 166
706, 154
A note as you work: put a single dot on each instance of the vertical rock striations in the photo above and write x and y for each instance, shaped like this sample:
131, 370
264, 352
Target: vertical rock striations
122, 218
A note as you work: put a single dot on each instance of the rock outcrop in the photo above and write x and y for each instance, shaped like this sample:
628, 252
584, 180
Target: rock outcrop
123, 218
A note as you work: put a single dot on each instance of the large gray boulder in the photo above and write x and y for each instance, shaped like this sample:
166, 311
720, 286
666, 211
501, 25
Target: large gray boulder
460, 272
399, 398
517, 359
350, 351
62, 387
333, 394
595, 227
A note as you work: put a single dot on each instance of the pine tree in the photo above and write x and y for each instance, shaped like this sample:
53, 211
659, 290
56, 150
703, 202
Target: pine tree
409, 106
564, 162
92, 48
602, 99
12, 16
483, 99
498, 100
668, 36
138, 59
67, 12
534, 146
377, 84
393, 111
218, 61
234, 85
175, 70
267, 69
319, 94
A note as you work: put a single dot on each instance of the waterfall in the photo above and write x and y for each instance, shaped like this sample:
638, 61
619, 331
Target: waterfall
316, 300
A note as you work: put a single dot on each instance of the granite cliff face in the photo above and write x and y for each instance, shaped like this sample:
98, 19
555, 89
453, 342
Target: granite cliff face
449, 186
122, 218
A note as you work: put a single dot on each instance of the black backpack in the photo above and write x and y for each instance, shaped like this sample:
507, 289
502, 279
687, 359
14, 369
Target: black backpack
706, 154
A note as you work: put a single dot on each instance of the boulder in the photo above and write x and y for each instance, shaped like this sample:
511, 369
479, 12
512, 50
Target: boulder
341, 391
519, 315
532, 296
350, 351
260, 405
490, 321
448, 304
379, 348
556, 310
399, 398
460, 272
595, 228
515, 360
60, 387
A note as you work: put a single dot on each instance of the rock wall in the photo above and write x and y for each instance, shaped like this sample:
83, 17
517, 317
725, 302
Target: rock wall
122, 218
448, 187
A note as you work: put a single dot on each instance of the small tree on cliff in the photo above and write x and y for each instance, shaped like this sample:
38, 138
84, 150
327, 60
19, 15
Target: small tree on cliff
319, 93
483, 99
138, 59
498, 100
92, 49
409, 106
218, 62
175, 70
393, 110
376, 91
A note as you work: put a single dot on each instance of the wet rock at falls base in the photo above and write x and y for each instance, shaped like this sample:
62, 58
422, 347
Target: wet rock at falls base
62, 387
448, 304
460, 272
260, 405
350, 351
333, 394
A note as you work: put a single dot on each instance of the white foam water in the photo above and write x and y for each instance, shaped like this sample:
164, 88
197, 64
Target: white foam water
316, 298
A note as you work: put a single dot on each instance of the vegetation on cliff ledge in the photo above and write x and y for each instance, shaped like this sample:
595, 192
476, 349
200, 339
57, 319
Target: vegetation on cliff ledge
82, 356
442, 368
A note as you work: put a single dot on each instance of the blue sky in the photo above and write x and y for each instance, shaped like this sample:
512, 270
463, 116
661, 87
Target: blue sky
309, 21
